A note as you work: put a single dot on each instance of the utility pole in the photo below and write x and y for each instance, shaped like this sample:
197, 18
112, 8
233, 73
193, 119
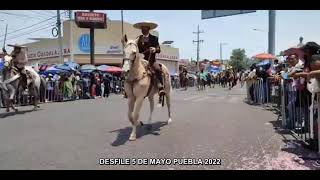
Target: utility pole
59, 33
272, 29
71, 36
122, 30
221, 44
198, 41
5, 38
92, 44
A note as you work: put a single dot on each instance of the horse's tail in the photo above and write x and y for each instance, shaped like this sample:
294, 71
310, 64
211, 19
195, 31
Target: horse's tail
43, 84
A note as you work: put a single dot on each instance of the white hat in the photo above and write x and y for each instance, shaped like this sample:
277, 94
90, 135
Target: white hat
149, 24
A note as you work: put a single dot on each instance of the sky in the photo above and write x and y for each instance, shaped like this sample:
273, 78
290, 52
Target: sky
179, 25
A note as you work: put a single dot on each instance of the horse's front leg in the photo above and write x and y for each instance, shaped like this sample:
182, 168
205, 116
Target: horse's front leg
34, 91
151, 101
135, 114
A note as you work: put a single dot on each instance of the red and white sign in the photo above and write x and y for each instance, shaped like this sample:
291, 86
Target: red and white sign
90, 17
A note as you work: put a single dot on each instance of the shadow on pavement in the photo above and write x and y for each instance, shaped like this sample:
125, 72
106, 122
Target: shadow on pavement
4, 115
123, 134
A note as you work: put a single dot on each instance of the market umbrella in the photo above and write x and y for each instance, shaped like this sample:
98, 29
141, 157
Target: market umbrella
294, 50
103, 68
88, 67
64, 67
264, 56
263, 63
53, 70
73, 65
114, 69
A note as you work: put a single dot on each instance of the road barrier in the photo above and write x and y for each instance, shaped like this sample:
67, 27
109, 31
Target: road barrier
299, 110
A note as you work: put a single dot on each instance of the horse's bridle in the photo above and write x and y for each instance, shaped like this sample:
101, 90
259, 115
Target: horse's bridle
135, 56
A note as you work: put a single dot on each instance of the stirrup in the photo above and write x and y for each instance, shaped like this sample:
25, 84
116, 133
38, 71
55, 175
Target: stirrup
161, 91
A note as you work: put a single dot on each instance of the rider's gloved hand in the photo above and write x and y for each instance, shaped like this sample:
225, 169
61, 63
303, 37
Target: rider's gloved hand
4, 50
152, 49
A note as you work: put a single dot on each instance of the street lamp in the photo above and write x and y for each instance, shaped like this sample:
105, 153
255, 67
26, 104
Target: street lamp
258, 30
221, 44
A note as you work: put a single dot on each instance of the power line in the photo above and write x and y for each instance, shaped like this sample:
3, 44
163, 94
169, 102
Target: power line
31, 25
41, 14
23, 34
20, 15
50, 12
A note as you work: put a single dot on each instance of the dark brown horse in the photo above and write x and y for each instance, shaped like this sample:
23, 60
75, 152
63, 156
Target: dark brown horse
183, 80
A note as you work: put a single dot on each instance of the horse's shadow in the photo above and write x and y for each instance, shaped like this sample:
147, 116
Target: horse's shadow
123, 134
8, 114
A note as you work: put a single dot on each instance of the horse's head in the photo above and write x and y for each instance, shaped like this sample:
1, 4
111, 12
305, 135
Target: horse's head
7, 61
131, 52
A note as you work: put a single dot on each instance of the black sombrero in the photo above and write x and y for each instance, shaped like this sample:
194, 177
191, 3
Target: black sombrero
17, 45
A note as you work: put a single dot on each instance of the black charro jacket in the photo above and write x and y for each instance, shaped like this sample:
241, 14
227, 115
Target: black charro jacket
144, 47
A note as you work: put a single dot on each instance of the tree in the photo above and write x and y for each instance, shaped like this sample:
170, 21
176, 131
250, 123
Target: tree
239, 60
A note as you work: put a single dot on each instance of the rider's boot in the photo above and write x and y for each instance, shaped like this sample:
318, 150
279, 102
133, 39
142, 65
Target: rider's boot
160, 82
125, 95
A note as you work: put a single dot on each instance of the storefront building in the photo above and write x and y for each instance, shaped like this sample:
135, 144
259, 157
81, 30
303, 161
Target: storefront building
108, 47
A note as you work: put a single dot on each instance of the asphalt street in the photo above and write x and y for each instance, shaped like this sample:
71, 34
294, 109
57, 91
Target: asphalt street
214, 125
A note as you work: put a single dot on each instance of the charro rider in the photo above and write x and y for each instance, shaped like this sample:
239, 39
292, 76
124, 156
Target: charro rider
19, 59
149, 46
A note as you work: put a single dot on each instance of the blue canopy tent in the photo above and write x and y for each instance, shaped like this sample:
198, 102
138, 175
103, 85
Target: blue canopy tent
214, 69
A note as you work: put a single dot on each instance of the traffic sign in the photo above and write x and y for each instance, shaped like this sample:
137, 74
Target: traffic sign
207, 14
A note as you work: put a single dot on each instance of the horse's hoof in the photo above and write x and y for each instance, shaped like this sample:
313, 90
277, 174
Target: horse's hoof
141, 123
132, 138
169, 121
7, 110
15, 110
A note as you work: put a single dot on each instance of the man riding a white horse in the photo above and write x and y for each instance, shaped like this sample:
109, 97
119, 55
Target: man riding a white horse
19, 60
148, 45
139, 62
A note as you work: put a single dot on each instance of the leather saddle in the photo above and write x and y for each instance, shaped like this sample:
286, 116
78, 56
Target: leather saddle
28, 74
151, 72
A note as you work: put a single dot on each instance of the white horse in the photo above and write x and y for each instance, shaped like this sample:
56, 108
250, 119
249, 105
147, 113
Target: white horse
11, 82
140, 84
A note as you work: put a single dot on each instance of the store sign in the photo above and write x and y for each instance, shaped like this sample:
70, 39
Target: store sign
84, 43
91, 19
164, 56
47, 53
114, 49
